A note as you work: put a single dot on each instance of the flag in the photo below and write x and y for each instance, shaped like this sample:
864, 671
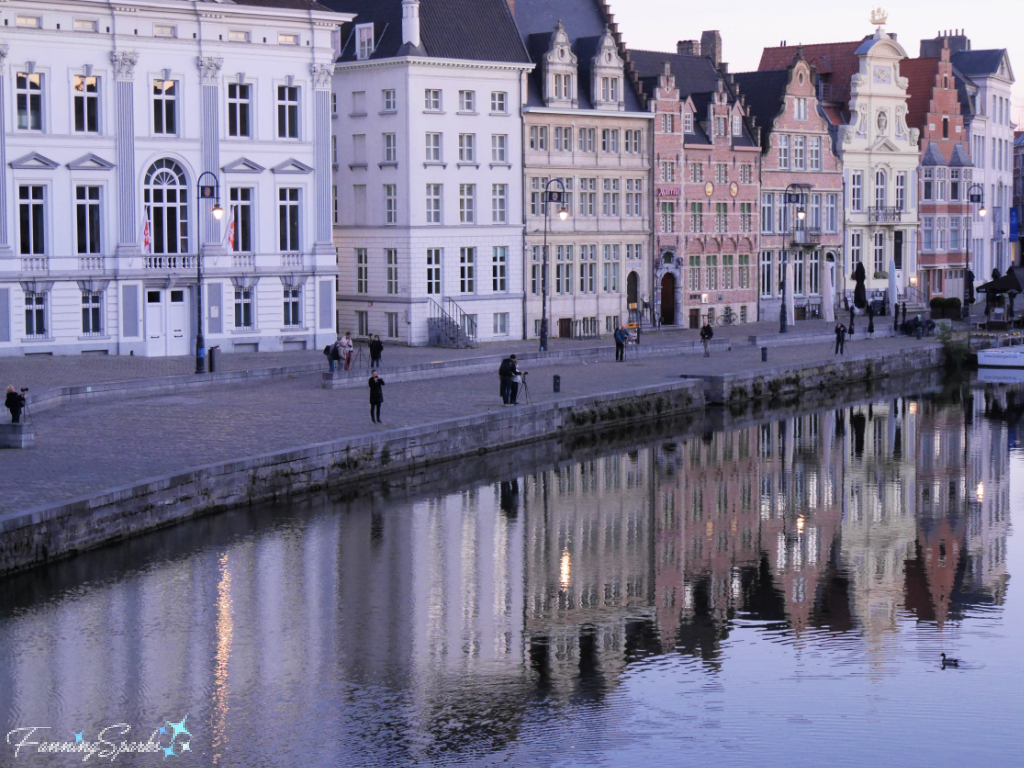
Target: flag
231, 234
147, 238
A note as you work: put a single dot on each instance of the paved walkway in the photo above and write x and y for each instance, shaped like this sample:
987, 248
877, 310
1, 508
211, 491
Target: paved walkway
89, 447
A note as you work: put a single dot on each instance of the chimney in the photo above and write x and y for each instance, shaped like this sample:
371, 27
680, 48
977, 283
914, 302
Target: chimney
411, 22
512, 7
688, 48
711, 45
955, 39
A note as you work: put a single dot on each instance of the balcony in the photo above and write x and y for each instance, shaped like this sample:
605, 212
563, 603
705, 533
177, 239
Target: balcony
291, 260
171, 262
35, 263
886, 215
805, 236
243, 260
90, 263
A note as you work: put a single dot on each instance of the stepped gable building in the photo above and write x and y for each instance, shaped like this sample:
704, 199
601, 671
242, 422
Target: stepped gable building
584, 126
864, 97
707, 158
933, 108
796, 149
428, 125
117, 112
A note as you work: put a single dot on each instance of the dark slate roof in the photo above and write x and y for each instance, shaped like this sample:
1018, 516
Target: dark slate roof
979, 63
933, 155
960, 158
292, 5
584, 24
471, 30
763, 93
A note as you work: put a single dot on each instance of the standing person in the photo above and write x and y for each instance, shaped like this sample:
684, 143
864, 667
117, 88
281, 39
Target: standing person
346, 346
840, 338
14, 403
705, 336
620, 343
334, 354
376, 396
376, 350
505, 373
517, 379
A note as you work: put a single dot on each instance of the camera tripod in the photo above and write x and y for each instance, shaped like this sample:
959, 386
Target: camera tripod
524, 390
24, 408
358, 358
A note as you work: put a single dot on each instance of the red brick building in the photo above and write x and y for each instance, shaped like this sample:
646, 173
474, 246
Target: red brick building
706, 169
933, 107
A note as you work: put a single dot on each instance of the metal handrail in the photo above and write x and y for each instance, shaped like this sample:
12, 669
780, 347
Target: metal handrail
888, 214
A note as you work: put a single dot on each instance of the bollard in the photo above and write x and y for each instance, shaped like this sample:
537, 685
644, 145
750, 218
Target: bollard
213, 359
764, 354
558, 383
920, 332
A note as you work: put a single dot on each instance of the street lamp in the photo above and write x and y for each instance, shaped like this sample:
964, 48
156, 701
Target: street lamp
975, 194
563, 213
796, 194
206, 192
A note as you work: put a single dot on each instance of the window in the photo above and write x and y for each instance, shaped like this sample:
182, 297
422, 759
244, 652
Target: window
33, 22
798, 152
164, 30
432, 100
87, 217
467, 147
857, 191
92, 313
390, 203
721, 124
35, 315
727, 273
501, 323
667, 123
831, 213
767, 212
433, 147
746, 217
288, 213
668, 173
358, 149
362, 271
499, 148
467, 101
165, 196
880, 189
880, 252
783, 151
539, 137
746, 174
954, 185
292, 314
563, 139
587, 139
499, 203
609, 140
954, 233
433, 203
390, 148
467, 203
744, 272
610, 198
609, 89
362, 323
633, 142
856, 242
815, 218
433, 271
499, 102
86, 104
688, 122
721, 173
800, 109
588, 197
901, 190
243, 308
634, 197
165, 102
364, 41
391, 265
696, 173
693, 273
696, 217
467, 270
668, 216
239, 107
814, 153
711, 273
390, 102
392, 318
563, 269
766, 273
287, 39
238, 36
940, 233
721, 217
240, 219
610, 269
499, 264
563, 86
287, 112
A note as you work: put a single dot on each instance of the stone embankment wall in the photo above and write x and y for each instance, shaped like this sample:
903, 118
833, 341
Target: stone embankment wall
42, 535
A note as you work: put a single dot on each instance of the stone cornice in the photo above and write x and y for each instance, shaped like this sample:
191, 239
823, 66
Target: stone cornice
442, 63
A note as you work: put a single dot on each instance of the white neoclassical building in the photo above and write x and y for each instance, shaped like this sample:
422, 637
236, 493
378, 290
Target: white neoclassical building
109, 116
428, 171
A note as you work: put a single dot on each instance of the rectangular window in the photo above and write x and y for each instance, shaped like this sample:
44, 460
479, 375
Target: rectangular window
499, 148
31, 220
362, 271
688, 122
390, 203
239, 109
633, 142
766, 273
744, 273
287, 112
499, 102
737, 126
721, 125
467, 147
588, 197
798, 152
815, 219
364, 41
433, 203
711, 272
390, 148
240, 220
391, 264
35, 315
292, 307
499, 203
390, 103
856, 245
668, 216
783, 151
243, 308
880, 252
467, 270
814, 153
696, 173
467, 203
634, 197
288, 216
693, 273
238, 36
927, 233
467, 101
501, 323
92, 314
165, 107
901, 190
433, 147
433, 271
539, 137
32, 22
800, 109
87, 109
610, 198
857, 191
392, 318
696, 217
499, 265
954, 233
831, 213
586, 142
609, 140
87, 216
721, 173
432, 100
746, 217
362, 323
287, 39
721, 217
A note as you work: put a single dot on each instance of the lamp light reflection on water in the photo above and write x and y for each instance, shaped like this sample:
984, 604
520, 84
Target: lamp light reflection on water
564, 569
980, 491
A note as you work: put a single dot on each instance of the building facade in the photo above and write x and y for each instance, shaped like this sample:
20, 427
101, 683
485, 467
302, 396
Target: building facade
429, 172
586, 136
798, 155
115, 115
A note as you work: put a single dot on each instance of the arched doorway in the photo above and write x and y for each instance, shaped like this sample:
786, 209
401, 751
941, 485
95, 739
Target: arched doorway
668, 299
632, 289
166, 200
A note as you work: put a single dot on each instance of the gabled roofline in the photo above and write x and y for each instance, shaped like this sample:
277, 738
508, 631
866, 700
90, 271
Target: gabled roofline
433, 61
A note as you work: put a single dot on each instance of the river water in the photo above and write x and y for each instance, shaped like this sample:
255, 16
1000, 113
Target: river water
754, 590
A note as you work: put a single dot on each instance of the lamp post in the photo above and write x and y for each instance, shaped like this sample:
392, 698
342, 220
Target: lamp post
205, 192
796, 194
563, 213
975, 194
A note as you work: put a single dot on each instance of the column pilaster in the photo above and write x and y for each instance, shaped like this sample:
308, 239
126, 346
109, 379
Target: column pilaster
5, 242
209, 75
324, 240
127, 199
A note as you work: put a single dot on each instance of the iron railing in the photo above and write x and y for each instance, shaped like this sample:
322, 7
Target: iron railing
889, 214
449, 326
803, 236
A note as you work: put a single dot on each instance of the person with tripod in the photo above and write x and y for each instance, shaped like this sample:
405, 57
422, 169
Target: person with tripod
14, 403
346, 346
517, 380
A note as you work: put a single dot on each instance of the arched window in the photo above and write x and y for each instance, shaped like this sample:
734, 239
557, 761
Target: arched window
166, 202
880, 189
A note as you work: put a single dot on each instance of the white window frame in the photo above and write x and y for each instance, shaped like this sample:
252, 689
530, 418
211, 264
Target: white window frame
289, 99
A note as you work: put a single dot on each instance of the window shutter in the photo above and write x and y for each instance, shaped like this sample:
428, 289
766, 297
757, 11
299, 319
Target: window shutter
130, 311
214, 301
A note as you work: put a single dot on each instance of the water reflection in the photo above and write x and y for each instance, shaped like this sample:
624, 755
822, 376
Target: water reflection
454, 625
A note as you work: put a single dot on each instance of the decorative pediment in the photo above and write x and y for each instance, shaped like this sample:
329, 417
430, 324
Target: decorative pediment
243, 165
885, 146
608, 81
560, 65
34, 160
291, 165
90, 162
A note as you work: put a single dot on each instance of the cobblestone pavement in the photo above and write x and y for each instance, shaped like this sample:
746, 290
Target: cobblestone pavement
89, 447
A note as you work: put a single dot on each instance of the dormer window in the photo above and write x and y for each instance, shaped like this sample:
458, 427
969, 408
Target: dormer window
737, 126
720, 126
609, 89
559, 71
688, 122
364, 41
563, 86
607, 69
